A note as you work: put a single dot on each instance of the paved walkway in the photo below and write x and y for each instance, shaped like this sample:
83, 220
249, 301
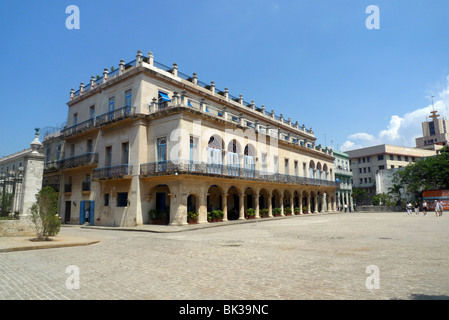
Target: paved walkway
322, 256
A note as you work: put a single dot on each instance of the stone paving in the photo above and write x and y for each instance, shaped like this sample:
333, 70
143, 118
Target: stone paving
301, 257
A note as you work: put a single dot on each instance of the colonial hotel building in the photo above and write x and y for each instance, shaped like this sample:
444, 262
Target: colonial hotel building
146, 138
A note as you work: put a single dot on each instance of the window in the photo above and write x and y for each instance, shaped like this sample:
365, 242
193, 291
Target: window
106, 200
380, 157
122, 199
90, 146
360, 160
304, 169
108, 157
286, 166
128, 96
369, 180
392, 167
432, 128
161, 149
163, 100
369, 169
111, 105
125, 153
264, 162
381, 167
366, 180
406, 158
413, 159
399, 158
364, 170
161, 154
360, 181
360, 170
367, 159
92, 112
364, 160
275, 164
391, 157
296, 168
75, 119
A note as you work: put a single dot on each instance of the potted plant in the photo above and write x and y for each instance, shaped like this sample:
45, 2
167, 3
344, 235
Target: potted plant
192, 217
215, 216
264, 213
305, 209
277, 212
250, 213
297, 210
159, 216
288, 211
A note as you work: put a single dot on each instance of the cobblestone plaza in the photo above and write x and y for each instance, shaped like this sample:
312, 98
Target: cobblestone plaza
318, 256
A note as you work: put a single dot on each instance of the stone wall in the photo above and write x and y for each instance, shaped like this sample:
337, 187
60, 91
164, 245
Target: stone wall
16, 228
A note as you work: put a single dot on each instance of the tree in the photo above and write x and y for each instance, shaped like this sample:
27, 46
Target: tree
430, 173
5, 203
44, 214
360, 195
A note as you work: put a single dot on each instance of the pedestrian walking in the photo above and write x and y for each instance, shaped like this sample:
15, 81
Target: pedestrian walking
424, 207
416, 208
346, 207
436, 207
441, 207
408, 206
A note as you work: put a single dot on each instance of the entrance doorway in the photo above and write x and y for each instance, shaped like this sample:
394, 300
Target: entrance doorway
68, 210
87, 210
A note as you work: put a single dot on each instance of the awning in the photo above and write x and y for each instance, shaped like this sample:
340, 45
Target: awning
164, 96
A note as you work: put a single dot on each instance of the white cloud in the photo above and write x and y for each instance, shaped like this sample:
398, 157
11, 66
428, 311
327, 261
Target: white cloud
401, 130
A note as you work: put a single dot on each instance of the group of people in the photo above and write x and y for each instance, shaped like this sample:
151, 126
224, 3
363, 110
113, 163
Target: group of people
438, 207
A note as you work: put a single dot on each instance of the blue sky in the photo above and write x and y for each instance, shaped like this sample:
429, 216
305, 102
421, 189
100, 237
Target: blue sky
312, 60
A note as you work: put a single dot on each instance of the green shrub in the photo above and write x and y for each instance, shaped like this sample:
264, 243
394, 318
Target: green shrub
192, 215
250, 212
277, 211
44, 214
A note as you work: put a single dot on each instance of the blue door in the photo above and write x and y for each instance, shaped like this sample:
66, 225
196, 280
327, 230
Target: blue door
82, 212
91, 214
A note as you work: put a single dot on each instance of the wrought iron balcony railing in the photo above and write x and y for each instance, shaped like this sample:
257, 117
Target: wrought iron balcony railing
114, 172
107, 117
203, 168
115, 115
77, 161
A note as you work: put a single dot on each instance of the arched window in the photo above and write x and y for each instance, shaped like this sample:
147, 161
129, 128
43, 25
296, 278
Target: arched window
248, 162
214, 161
233, 158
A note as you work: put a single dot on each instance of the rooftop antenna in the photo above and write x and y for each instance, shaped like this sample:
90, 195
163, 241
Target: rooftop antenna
434, 115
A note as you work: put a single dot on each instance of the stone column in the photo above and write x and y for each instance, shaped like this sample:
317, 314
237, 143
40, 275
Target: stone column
202, 211
315, 210
292, 205
282, 205
309, 203
241, 206
300, 204
256, 204
32, 178
224, 205
270, 204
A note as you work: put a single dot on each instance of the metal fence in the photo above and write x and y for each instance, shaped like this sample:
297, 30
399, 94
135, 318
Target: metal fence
11, 192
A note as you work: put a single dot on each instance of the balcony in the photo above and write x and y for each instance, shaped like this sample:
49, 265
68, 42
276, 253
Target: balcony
343, 172
115, 115
211, 169
108, 117
114, 172
79, 161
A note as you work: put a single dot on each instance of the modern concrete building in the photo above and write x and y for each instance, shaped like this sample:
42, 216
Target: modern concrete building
366, 162
343, 175
435, 133
146, 139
